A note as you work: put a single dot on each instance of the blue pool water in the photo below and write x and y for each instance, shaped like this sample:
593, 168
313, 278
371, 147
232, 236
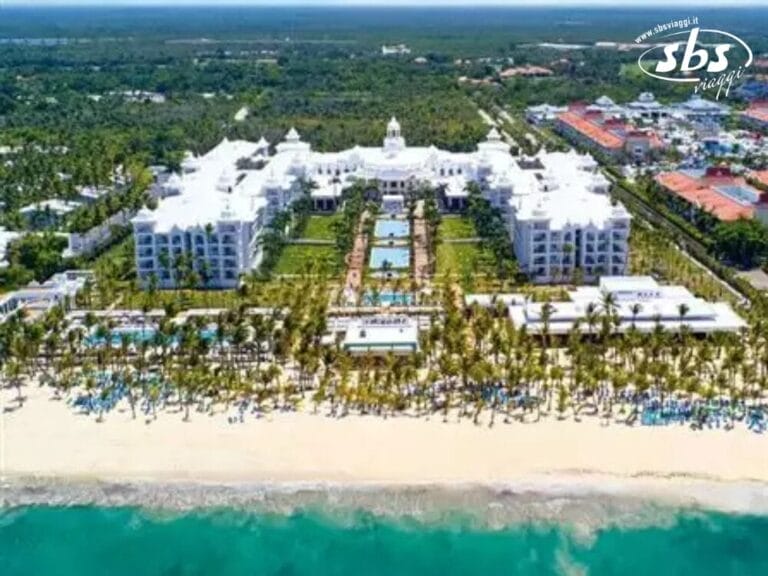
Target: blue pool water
397, 257
391, 229
132, 335
126, 541
739, 193
139, 334
387, 299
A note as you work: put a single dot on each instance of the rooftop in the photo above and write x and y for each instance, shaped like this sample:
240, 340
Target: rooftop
703, 194
593, 131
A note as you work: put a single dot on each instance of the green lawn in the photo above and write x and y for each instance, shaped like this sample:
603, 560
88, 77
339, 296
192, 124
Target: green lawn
632, 70
320, 227
302, 258
452, 227
464, 259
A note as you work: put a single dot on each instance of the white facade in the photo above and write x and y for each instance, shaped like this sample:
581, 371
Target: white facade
36, 299
382, 335
562, 219
216, 210
638, 301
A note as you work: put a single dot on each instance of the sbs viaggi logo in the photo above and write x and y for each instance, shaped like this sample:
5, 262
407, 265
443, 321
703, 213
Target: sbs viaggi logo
711, 59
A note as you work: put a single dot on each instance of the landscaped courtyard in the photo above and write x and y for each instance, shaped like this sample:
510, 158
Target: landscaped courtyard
308, 259
464, 259
456, 227
320, 227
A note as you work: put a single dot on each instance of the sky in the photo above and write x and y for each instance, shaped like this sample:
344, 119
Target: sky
611, 3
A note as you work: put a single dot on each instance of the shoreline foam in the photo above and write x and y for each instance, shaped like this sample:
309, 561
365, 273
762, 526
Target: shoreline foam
50, 454
592, 498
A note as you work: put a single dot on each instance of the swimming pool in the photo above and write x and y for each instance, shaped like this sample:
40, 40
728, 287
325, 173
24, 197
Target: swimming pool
396, 257
387, 299
133, 335
391, 229
741, 194
141, 334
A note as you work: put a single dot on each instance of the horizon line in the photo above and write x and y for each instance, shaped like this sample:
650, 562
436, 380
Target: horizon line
393, 4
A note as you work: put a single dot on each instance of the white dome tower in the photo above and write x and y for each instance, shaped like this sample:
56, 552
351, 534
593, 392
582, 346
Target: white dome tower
394, 142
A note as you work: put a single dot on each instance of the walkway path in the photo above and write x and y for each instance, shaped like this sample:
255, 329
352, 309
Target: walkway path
356, 259
420, 245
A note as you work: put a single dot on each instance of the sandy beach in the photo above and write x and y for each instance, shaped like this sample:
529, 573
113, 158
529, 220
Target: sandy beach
47, 440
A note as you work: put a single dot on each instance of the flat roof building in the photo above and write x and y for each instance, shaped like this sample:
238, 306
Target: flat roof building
382, 335
638, 301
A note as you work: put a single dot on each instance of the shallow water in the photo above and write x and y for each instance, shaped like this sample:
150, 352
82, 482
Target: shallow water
118, 541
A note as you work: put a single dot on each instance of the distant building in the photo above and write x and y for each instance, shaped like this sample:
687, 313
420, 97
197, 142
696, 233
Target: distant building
714, 190
543, 113
90, 194
601, 127
648, 108
395, 50
756, 115
697, 107
6, 237
48, 213
752, 90
638, 301
36, 299
526, 72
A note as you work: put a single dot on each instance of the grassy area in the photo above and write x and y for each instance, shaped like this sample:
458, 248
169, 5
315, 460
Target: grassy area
464, 259
632, 70
320, 227
302, 259
452, 227
259, 293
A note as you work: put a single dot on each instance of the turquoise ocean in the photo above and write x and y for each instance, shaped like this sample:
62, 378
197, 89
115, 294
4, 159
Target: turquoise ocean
135, 541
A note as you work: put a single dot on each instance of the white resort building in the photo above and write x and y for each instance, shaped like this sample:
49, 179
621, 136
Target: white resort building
556, 205
637, 301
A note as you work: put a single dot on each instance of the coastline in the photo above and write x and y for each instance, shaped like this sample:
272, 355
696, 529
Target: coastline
52, 455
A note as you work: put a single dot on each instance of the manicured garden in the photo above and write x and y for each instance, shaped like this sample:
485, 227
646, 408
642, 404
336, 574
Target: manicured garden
308, 259
320, 227
456, 227
464, 259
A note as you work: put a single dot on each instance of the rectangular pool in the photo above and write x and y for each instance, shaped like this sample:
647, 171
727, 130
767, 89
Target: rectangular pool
387, 299
741, 194
391, 229
396, 257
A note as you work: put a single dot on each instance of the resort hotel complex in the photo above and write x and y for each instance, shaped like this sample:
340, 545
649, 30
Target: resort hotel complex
555, 205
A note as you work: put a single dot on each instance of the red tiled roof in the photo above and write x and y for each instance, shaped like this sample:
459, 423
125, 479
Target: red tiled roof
591, 130
757, 112
702, 195
760, 176
526, 71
